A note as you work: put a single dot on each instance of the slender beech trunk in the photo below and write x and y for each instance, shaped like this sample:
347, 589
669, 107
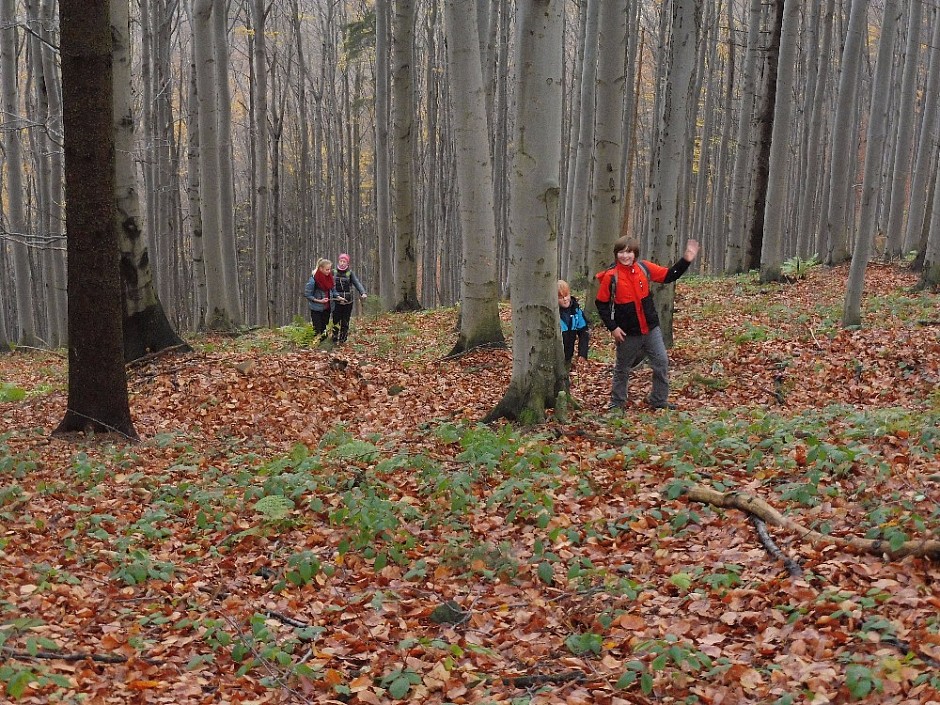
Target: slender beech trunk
383, 218
218, 314
145, 325
579, 211
764, 134
13, 162
264, 306
227, 235
479, 311
874, 158
771, 256
740, 179
841, 191
403, 122
676, 106
607, 206
811, 232
926, 149
901, 168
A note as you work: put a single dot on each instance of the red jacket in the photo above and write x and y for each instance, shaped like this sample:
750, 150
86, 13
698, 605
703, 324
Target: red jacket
633, 310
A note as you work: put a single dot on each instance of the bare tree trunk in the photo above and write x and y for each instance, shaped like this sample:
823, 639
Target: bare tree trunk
193, 189
15, 212
502, 134
264, 306
930, 273
720, 220
403, 60
538, 371
97, 386
811, 231
874, 157
841, 201
479, 312
218, 314
764, 134
383, 219
901, 168
145, 325
632, 72
223, 106
676, 107
607, 206
740, 179
46, 146
578, 213
702, 201
571, 130
920, 192
771, 256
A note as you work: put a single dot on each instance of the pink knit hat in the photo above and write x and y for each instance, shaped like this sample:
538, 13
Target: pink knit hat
343, 262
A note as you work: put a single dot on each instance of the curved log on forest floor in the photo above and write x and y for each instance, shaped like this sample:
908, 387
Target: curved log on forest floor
755, 506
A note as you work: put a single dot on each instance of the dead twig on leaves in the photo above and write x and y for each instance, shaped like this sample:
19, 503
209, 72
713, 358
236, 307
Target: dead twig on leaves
905, 648
815, 339
757, 507
73, 657
544, 678
279, 675
288, 620
793, 568
143, 360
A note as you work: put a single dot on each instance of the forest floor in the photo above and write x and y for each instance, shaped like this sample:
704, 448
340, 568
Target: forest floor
302, 525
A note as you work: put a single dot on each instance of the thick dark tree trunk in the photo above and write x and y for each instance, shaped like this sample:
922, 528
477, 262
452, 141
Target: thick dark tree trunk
147, 332
765, 131
97, 386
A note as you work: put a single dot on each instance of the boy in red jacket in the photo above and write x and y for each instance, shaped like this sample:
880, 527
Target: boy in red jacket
626, 308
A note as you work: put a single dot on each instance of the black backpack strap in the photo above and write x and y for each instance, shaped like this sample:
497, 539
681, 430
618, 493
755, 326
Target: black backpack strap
613, 288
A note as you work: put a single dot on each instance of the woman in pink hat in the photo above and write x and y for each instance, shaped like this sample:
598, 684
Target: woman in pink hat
345, 284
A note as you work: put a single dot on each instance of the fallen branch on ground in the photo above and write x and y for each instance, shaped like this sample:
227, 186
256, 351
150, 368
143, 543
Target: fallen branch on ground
757, 507
793, 568
144, 359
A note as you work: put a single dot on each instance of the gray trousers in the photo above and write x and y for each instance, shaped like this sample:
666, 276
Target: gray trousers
652, 344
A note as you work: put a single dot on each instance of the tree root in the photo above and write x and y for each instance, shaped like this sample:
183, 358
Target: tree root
755, 506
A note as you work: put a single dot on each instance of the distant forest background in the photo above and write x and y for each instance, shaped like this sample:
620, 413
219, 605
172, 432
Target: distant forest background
268, 134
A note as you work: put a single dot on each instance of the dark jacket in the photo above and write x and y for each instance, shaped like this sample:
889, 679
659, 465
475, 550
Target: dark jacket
344, 283
633, 310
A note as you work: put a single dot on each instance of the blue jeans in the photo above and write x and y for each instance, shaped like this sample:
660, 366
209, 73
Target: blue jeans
654, 347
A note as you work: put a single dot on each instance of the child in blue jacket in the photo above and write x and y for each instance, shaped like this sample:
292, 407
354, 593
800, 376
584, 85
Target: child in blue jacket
573, 325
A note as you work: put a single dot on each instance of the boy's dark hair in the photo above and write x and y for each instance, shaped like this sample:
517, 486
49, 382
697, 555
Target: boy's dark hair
627, 243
